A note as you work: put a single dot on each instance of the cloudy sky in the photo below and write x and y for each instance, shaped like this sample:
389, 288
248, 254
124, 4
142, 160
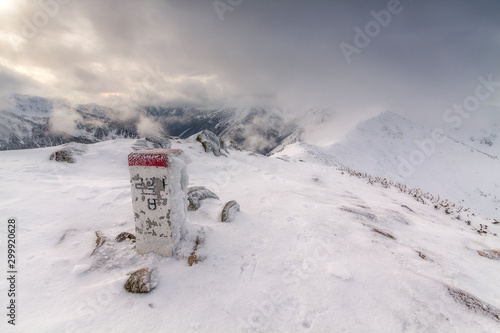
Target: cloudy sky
422, 57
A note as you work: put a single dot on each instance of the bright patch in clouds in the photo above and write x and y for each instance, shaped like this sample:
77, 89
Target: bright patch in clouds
5, 4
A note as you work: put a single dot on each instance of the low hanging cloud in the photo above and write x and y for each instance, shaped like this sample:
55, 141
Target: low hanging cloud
277, 52
63, 120
146, 127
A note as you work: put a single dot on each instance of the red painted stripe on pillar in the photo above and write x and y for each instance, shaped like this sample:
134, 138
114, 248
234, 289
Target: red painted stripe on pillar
151, 157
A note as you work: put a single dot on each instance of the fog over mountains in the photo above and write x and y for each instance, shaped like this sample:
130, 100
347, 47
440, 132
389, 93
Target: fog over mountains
32, 122
460, 163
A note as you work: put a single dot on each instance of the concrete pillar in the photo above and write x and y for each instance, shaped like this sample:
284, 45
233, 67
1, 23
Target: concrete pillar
159, 182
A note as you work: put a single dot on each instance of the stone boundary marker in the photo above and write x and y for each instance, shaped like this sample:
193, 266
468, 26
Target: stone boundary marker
159, 180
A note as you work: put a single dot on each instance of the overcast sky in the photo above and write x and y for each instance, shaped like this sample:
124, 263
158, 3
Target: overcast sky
249, 52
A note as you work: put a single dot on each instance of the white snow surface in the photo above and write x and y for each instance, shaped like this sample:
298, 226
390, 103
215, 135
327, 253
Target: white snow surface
463, 167
301, 256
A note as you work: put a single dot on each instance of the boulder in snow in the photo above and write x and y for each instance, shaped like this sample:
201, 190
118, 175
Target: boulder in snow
159, 142
490, 254
142, 281
474, 304
124, 236
152, 142
198, 193
211, 142
68, 152
229, 211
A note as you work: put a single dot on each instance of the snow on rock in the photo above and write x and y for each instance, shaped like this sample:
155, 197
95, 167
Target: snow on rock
159, 142
68, 152
151, 142
490, 254
230, 209
474, 304
211, 142
124, 236
142, 281
198, 193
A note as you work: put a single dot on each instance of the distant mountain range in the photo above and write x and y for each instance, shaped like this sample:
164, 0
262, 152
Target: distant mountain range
32, 122
462, 163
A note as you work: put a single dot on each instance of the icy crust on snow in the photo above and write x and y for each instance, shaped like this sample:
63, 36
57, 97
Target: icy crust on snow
302, 256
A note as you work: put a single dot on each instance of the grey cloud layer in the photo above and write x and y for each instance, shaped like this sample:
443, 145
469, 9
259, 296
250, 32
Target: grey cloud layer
263, 52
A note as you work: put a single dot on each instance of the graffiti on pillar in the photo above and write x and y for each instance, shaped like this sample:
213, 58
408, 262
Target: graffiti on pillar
151, 191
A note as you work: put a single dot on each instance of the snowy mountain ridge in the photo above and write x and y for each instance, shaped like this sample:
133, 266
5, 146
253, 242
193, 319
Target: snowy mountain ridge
313, 249
32, 122
456, 165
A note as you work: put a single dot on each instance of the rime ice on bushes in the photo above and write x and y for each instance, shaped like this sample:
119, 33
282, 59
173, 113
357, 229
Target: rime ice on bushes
159, 183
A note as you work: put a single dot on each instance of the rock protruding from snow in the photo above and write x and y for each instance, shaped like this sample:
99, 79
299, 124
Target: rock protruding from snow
474, 304
152, 142
233, 145
124, 236
229, 211
211, 142
198, 193
159, 142
142, 281
63, 155
68, 152
490, 254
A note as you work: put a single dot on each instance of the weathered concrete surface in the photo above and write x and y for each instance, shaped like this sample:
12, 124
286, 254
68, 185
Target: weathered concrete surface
159, 180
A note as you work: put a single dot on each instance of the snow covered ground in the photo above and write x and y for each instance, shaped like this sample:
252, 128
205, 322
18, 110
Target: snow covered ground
312, 250
462, 164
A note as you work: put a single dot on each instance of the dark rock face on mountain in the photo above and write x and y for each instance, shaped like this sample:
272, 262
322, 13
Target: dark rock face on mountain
255, 129
32, 122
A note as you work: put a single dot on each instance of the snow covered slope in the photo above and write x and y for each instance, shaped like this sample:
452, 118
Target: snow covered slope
312, 250
462, 164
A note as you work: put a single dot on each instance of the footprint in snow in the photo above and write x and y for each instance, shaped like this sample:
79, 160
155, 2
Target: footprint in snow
339, 271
